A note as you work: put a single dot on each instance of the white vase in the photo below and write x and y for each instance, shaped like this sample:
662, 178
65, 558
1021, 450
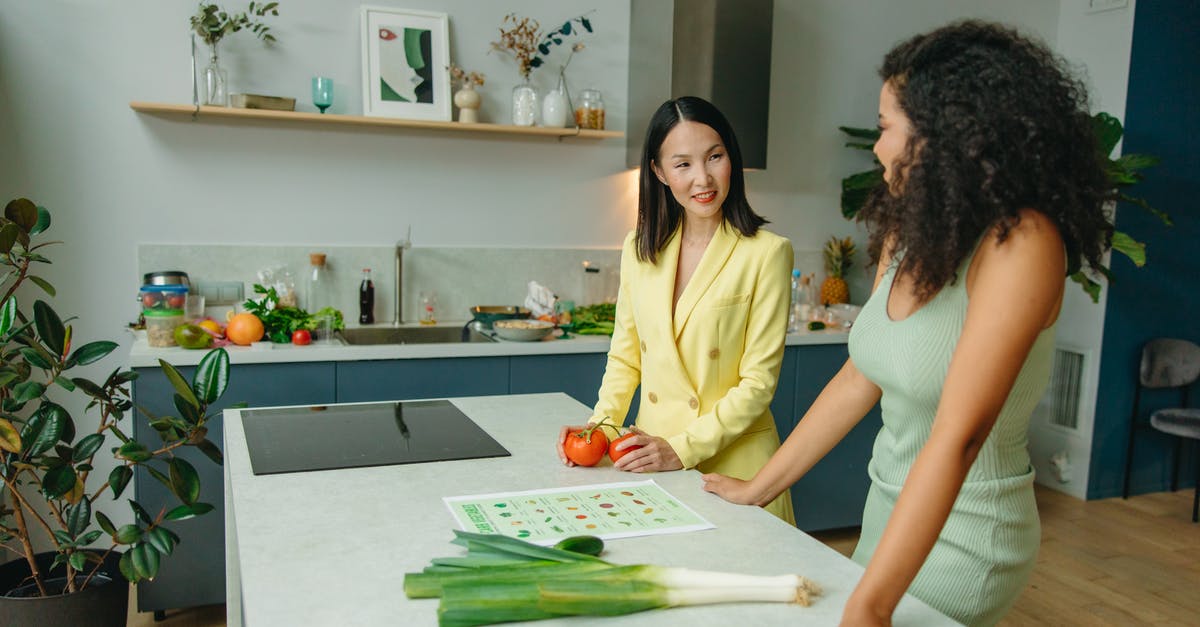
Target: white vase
554, 109
467, 100
524, 105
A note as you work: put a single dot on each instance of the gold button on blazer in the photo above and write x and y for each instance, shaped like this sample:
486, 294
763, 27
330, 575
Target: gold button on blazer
713, 363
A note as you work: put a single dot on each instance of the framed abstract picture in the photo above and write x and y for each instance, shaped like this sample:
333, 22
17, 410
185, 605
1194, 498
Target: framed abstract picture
405, 55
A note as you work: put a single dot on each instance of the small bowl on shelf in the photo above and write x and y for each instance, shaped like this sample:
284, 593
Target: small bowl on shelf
522, 330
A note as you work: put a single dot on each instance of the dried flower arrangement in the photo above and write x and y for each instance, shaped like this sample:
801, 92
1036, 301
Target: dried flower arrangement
465, 78
522, 37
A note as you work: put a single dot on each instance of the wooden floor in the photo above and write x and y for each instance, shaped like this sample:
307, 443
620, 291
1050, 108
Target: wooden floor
1110, 562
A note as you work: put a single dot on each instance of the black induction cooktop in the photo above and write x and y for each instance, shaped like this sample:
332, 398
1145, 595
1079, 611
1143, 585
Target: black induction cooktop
325, 437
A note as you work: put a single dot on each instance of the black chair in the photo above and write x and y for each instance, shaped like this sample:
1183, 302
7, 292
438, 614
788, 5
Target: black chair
1169, 363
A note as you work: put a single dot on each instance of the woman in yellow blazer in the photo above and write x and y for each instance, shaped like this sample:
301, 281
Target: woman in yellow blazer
702, 309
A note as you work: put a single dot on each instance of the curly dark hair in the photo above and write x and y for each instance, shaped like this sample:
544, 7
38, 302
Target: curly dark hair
998, 124
659, 214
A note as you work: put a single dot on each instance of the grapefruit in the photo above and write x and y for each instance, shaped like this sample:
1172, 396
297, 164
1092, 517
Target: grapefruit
244, 328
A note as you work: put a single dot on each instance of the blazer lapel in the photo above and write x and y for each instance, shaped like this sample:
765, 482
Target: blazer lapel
660, 285
714, 259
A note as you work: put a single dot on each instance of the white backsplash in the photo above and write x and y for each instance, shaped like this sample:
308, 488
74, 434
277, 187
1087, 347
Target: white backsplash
460, 277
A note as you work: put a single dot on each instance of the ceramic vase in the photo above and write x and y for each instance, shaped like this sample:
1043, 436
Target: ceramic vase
555, 107
467, 100
524, 105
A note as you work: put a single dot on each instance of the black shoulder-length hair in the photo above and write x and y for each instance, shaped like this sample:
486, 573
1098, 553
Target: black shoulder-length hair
999, 124
658, 212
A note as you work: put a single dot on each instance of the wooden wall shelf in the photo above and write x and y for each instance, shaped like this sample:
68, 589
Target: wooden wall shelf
219, 113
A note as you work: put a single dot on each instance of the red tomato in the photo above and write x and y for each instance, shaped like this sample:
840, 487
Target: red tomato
612, 447
176, 301
301, 337
587, 447
149, 301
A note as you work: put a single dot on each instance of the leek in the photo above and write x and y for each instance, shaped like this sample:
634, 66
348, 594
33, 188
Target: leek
503, 579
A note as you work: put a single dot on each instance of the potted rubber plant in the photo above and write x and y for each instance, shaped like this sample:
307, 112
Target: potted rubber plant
51, 496
1123, 172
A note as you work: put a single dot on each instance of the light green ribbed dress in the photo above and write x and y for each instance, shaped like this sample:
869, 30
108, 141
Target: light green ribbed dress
986, 551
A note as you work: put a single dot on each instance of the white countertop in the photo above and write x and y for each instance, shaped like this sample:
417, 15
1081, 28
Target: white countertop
331, 547
142, 355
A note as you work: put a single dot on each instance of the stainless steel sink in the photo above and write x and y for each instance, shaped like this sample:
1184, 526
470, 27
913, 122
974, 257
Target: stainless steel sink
410, 335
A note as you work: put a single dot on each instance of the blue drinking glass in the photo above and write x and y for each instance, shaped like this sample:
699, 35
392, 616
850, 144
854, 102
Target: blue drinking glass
322, 92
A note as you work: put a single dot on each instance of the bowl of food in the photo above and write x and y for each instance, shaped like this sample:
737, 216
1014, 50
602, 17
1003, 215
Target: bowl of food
522, 330
486, 315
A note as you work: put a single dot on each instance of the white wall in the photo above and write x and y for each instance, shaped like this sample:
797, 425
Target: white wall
114, 178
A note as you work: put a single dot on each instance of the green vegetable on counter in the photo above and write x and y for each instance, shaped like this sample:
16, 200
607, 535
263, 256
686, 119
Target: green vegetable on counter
504, 579
281, 322
599, 319
816, 325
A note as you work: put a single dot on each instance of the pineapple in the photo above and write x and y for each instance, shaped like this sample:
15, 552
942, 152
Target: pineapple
839, 255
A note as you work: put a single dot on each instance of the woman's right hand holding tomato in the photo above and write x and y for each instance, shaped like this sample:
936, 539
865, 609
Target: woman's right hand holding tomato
562, 440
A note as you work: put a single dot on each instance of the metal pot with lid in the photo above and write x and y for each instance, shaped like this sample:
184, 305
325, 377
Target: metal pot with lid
166, 277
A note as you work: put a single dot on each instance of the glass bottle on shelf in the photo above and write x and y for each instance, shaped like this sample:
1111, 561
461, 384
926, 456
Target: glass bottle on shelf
366, 299
215, 81
590, 112
524, 104
320, 295
428, 305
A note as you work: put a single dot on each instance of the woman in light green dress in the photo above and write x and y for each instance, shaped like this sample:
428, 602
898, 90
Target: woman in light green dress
993, 194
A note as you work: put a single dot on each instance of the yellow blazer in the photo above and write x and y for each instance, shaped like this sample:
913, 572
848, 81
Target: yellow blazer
707, 372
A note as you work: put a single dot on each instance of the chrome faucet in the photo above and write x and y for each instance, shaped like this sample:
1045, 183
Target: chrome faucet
398, 288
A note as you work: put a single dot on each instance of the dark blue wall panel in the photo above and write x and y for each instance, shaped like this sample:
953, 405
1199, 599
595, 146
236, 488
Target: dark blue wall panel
1161, 299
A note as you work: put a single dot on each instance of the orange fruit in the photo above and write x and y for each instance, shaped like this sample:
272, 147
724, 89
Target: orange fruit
244, 328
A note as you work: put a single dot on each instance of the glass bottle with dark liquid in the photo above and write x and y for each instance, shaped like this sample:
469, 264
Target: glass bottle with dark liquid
366, 299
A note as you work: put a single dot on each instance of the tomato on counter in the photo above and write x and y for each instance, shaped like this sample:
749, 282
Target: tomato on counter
301, 337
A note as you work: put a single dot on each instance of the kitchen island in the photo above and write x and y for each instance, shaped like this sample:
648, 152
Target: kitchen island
331, 547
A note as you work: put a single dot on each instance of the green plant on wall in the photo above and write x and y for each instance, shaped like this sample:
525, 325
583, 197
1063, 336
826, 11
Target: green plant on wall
50, 487
212, 23
1123, 172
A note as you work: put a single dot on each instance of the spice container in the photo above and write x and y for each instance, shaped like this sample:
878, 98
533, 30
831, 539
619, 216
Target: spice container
160, 326
158, 297
590, 112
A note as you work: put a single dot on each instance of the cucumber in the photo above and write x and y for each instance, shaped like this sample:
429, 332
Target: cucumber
587, 545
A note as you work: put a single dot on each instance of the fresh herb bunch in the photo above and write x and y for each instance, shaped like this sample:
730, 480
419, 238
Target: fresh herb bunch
46, 465
212, 23
598, 319
281, 322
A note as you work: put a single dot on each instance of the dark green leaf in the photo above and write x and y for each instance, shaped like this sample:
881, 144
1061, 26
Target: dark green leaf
1135, 162
23, 212
65, 383
86, 446
58, 481
119, 478
79, 517
211, 451
78, 560
44, 284
106, 524
8, 237
860, 145
185, 481
1140, 202
158, 474
145, 560
27, 391
861, 133
1091, 287
587, 25
161, 539
8, 313
8, 375
128, 534
43, 221
90, 536
187, 411
92, 352
133, 451
48, 431
49, 326
140, 512
183, 512
88, 387
178, 382
1108, 132
211, 376
35, 358
127, 569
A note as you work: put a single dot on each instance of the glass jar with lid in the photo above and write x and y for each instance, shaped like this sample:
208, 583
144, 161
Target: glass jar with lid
590, 112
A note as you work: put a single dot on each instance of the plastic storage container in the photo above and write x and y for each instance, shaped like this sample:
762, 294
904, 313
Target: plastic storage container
160, 326
161, 297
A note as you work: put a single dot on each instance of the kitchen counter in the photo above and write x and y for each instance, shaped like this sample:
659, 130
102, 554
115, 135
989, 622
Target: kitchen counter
332, 547
143, 355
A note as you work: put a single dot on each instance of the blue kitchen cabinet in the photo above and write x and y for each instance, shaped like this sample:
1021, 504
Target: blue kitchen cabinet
194, 574
404, 379
783, 406
831, 495
578, 375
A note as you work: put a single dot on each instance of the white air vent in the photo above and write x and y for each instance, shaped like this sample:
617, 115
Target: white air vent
1060, 406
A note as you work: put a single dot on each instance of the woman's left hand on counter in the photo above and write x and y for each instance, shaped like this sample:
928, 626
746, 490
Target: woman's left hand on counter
654, 455
729, 488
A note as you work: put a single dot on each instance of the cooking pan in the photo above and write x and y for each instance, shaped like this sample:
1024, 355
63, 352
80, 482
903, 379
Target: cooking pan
485, 315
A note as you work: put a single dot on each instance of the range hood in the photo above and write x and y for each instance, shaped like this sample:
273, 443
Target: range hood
719, 50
